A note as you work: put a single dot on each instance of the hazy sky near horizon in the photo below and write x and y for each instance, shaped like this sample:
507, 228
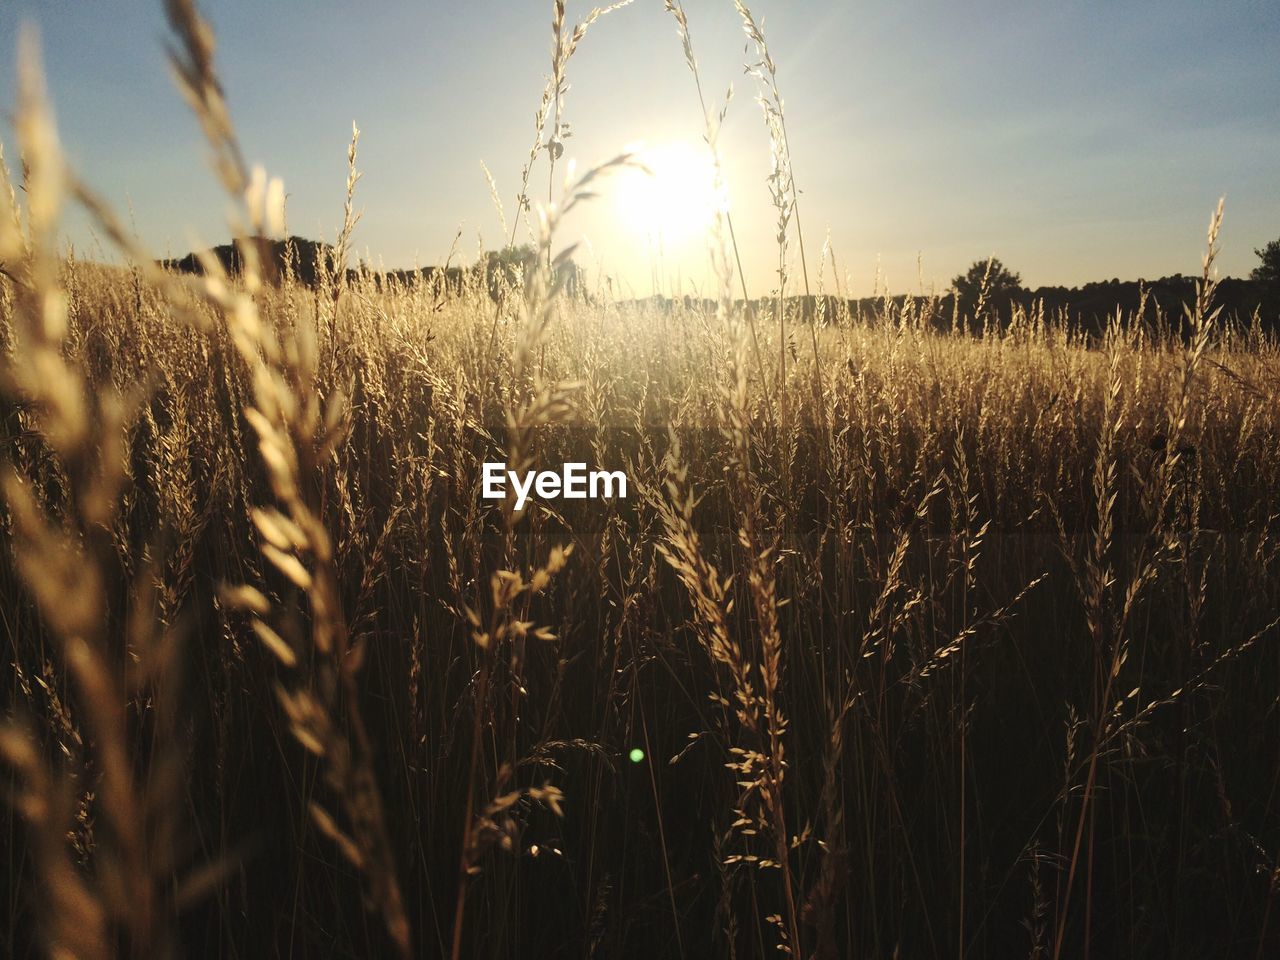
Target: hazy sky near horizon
1077, 140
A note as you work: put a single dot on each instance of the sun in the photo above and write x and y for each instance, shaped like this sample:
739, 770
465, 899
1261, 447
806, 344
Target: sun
673, 200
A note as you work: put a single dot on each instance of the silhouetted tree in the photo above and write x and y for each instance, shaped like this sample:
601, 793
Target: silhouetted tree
506, 269
1268, 271
309, 259
1000, 283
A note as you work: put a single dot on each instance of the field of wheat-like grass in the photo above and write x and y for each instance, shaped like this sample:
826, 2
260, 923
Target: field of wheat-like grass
914, 636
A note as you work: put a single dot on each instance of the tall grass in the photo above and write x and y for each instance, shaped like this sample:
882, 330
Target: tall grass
964, 647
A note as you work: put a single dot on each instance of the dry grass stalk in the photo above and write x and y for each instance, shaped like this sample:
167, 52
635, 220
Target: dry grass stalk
298, 430
62, 549
847, 586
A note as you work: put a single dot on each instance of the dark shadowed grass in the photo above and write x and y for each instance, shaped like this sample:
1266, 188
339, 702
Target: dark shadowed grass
968, 649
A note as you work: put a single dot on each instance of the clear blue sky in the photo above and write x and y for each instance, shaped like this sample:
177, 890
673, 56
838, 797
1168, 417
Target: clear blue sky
1075, 140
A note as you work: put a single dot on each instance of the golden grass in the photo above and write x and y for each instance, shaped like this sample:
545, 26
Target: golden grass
277, 669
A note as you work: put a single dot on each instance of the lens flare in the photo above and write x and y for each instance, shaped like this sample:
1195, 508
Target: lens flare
673, 200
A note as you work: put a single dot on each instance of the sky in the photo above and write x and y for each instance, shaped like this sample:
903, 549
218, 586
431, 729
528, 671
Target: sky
1077, 140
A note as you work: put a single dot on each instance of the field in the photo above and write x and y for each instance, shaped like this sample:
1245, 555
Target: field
916, 635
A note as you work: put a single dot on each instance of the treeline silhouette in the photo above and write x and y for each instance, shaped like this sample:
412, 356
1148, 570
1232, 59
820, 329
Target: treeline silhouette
313, 262
1088, 307
308, 261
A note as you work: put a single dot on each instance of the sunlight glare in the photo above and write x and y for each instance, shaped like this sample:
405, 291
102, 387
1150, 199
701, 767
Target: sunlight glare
674, 203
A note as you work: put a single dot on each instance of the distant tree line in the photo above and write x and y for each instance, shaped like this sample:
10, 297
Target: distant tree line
1091, 306
988, 292
1268, 269
311, 262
